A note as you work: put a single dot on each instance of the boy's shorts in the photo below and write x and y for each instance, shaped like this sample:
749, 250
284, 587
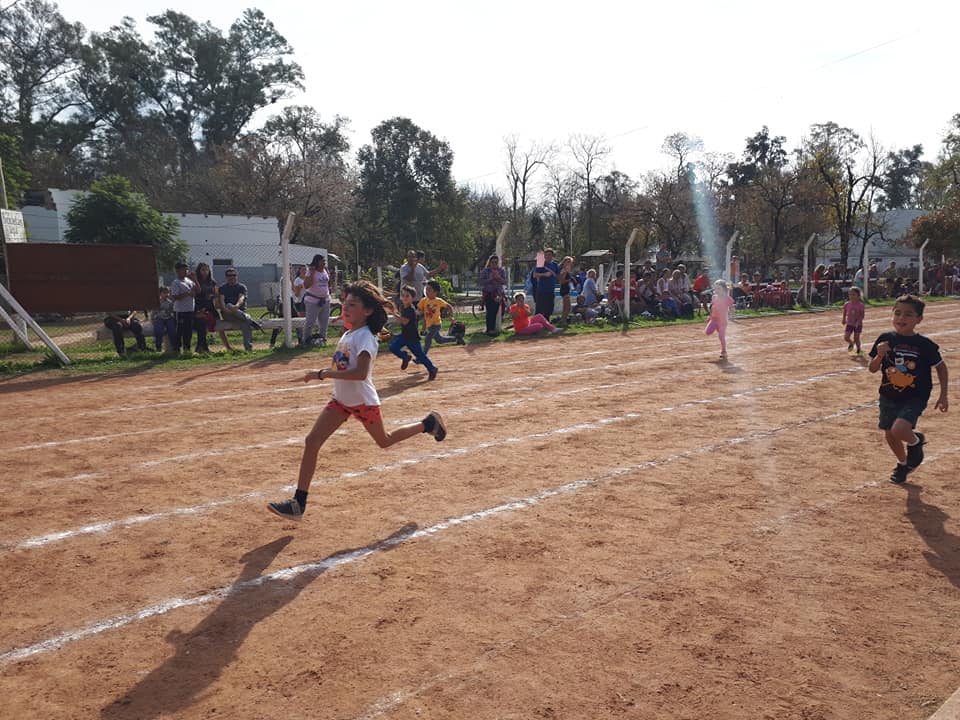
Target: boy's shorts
367, 414
909, 411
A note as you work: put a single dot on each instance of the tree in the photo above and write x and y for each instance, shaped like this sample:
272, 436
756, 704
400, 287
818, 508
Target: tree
848, 172
16, 177
902, 179
522, 165
589, 152
111, 213
406, 195
40, 51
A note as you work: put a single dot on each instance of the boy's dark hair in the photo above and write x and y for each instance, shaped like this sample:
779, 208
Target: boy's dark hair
619, 273
917, 303
435, 285
179, 265
409, 289
370, 297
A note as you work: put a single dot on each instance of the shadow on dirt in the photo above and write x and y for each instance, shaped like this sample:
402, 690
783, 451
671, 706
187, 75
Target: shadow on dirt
929, 522
203, 653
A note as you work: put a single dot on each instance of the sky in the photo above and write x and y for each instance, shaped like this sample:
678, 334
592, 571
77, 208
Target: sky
474, 73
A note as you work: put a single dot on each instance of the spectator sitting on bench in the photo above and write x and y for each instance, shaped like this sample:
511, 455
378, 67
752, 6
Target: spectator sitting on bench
124, 320
233, 299
164, 321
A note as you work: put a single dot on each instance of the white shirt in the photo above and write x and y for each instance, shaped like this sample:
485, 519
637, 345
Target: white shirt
178, 287
319, 290
298, 289
355, 392
415, 277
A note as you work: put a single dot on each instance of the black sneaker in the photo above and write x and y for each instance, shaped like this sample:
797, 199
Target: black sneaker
433, 425
405, 363
915, 452
289, 509
899, 474
432, 374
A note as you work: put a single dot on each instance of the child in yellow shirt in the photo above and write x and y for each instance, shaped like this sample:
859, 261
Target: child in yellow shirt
431, 307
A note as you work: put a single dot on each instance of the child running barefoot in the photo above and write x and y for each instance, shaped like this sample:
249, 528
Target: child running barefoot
353, 392
906, 358
720, 314
853, 311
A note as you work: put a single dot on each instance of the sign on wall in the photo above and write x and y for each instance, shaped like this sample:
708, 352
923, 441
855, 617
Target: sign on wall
13, 228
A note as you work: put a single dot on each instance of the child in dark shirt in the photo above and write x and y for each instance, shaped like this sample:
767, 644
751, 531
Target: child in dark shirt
409, 337
906, 358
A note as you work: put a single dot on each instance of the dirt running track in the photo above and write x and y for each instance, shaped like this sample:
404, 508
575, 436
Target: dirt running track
616, 527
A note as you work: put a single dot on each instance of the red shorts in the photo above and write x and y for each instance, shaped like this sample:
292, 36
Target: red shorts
368, 414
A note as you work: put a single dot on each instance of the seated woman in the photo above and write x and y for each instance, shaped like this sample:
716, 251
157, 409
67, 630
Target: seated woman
523, 324
667, 301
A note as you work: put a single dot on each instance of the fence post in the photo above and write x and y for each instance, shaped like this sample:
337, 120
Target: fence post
920, 273
626, 274
501, 237
806, 270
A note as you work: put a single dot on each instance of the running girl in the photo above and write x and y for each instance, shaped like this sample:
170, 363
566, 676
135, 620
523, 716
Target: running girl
353, 391
853, 311
720, 314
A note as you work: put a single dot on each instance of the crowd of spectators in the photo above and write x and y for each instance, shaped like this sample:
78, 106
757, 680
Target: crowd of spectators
194, 302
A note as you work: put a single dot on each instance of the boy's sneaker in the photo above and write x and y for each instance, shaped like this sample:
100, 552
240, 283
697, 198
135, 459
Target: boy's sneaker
405, 363
460, 340
899, 474
289, 509
849, 347
915, 452
432, 374
433, 425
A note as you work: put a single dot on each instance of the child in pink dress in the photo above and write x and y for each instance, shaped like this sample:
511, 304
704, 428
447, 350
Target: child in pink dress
853, 312
720, 314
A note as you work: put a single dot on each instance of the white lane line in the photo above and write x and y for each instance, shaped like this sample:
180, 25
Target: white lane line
397, 698
110, 525
166, 606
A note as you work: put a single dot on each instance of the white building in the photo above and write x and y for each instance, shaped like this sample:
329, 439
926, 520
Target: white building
249, 243
881, 248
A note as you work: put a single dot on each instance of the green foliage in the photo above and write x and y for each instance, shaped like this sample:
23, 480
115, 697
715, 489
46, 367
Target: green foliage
15, 175
407, 197
111, 213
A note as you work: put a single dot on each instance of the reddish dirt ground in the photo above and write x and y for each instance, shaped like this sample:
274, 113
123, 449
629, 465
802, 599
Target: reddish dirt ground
616, 526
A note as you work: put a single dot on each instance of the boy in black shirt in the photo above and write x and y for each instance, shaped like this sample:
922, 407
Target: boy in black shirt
410, 335
905, 357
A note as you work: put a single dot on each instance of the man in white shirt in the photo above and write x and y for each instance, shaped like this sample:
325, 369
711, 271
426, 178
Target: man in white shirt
416, 275
183, 292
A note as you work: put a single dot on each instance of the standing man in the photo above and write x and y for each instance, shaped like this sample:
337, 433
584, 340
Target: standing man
414, 274
233, 295
183, 292
545, 281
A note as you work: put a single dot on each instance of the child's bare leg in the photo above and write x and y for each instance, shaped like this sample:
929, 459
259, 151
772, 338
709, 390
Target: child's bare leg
722, 334
323, 428
896, 445
223, 339
856, 340
385, 439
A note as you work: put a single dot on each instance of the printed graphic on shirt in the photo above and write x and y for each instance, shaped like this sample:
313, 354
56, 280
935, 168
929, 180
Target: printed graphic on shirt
900, 375
341, 359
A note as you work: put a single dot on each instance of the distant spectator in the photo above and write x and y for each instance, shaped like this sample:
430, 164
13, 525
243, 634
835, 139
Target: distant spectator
591, 296
233, 299
183, 292
667, 301
858, 278
545, 277
297, 288
615, 294
891, 271
566, 279
493, 280
414, 274
123, 320
587, 313
206, 315
316, 299
164, 321
523, 324
432, 307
